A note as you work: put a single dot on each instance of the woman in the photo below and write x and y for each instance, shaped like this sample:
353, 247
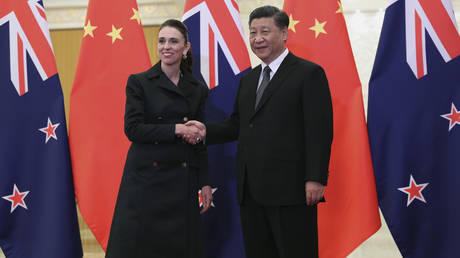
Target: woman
157, 211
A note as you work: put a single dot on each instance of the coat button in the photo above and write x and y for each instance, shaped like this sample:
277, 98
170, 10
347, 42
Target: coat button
184, 164
155, 164
185, 119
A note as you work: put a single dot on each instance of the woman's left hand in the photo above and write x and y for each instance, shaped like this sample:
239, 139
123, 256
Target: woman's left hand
206, 197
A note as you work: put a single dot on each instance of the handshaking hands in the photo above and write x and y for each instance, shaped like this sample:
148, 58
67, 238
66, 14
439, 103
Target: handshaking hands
192, 132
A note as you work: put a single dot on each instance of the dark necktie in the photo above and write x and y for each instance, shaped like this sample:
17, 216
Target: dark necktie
263, 85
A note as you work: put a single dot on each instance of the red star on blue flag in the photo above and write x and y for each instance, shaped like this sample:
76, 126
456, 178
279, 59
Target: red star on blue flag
413, 191
453, 117
49, 130
16, 198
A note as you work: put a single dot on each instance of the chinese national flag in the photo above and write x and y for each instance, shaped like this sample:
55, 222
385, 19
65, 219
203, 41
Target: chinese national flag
317, 32
113, 46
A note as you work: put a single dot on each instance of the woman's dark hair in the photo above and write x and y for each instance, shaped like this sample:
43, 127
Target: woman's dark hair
279, 16
186, 63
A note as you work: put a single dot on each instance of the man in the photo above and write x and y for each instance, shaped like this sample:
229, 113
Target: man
282, 119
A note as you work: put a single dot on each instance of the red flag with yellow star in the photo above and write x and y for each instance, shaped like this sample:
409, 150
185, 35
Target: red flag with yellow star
113, 46
317, 32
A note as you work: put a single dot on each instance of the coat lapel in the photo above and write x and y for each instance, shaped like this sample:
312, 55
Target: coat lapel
164, 82
188, 86
276, 81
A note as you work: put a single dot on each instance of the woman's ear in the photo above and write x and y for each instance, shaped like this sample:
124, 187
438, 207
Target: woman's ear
187, 47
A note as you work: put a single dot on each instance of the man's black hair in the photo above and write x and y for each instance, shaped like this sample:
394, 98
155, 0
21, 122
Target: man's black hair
279, 16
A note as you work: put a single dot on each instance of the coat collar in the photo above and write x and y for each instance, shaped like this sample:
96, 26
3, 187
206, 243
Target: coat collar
189, 83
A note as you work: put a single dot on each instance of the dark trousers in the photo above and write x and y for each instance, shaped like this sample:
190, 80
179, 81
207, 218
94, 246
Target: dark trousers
278, 231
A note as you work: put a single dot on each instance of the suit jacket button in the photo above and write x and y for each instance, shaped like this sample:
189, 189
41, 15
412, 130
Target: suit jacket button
184, 164
251, 125
185, 119
155, 164
159, 118
155, 142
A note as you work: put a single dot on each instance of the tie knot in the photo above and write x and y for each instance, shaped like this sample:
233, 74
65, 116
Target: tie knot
267, 71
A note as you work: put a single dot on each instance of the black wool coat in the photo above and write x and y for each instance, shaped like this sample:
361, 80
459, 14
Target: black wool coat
157, 213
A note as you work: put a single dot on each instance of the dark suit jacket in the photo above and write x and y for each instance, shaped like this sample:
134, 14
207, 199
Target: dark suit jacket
286, 140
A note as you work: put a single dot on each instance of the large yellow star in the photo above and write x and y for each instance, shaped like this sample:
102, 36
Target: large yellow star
89, 29
340, 10
136, 16
318, 28
115, 34
292, 23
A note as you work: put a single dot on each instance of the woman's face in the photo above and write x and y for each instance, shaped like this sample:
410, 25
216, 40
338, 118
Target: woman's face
171, 46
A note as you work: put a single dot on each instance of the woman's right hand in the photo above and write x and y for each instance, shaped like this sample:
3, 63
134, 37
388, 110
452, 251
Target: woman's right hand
191, 134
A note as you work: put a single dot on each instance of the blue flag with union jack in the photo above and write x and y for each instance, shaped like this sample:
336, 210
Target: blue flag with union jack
37, 207
414, 126
220, 58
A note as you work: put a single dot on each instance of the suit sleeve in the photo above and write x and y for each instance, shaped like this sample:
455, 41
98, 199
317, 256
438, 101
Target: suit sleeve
227, 130
135, 127
318, 122
203, 176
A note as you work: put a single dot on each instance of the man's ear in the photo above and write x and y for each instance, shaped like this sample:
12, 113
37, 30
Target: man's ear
284, 31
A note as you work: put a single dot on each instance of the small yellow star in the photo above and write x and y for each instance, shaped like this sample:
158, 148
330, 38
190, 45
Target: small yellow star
89, 29
292, 23
136, 16
115, 34
340, 10
318, 28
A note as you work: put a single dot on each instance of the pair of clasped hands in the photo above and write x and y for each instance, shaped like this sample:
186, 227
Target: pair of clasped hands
192, 132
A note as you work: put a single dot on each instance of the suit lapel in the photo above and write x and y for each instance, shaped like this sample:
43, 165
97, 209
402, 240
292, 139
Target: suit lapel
253, 81
277, 80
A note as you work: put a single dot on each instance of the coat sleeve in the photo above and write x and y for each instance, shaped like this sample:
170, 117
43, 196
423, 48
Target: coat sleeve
203, 176
135, 127
318, 122
227, 130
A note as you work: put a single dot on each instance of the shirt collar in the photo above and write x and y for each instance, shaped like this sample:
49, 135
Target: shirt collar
275, 64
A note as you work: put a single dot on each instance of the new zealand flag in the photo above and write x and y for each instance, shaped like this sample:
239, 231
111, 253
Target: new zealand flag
414, 98
37, 206
220, 58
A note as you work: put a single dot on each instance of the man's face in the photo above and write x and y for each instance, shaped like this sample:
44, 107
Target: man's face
266, 39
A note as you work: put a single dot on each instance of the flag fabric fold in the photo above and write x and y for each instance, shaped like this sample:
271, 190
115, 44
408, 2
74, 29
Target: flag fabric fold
412, 119
113, 47
37, 207
220, 59
317, 32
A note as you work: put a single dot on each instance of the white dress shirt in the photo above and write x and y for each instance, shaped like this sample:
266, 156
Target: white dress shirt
273, 66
